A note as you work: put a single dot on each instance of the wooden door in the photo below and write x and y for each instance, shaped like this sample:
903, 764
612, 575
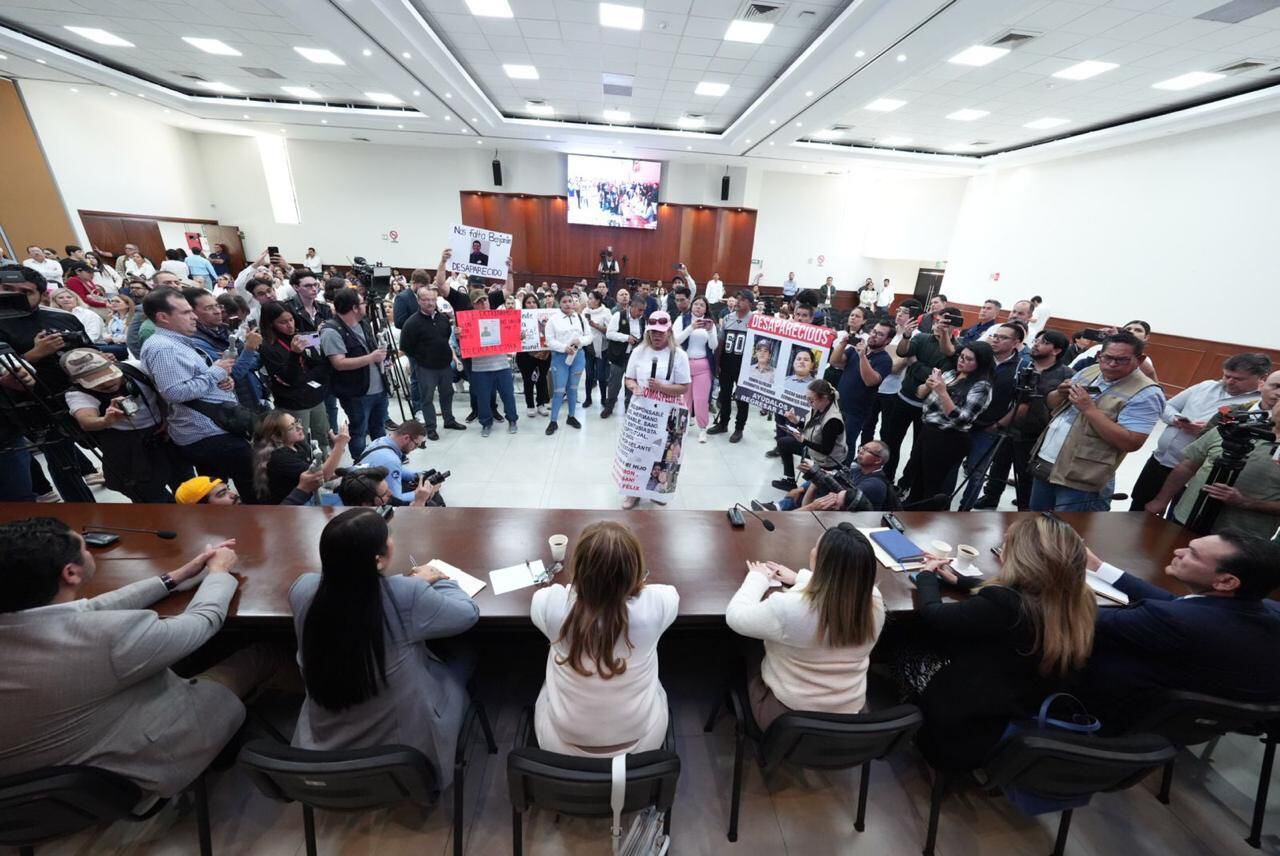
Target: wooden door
229, 235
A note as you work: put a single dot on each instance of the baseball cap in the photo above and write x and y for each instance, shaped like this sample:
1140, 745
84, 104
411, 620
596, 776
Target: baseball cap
88, 368
191, 491
660, 321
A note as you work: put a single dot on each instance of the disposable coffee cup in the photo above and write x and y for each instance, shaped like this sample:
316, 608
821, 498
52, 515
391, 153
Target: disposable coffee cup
557, 544
965, 557
941, 549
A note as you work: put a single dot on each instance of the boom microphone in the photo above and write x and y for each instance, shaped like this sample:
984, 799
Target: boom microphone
768, 524
166, 534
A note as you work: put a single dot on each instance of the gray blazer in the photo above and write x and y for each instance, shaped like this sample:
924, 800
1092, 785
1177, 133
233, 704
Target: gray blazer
88, 682
424, 700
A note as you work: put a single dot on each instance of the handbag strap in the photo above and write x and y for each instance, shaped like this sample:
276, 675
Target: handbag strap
1085, 722
617, 795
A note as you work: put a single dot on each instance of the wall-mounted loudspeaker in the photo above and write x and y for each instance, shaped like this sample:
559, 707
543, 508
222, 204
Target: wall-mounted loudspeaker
724, 189
497, 172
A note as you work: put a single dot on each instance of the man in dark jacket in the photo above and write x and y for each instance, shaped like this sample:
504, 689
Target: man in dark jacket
425, 339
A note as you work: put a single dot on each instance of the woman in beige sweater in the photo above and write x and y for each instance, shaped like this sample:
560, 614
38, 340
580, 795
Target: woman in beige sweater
818, 634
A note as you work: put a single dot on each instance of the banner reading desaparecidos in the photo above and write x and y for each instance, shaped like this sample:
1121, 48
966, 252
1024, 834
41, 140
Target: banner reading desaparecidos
651, 446
488, 332
478, 252
779, 361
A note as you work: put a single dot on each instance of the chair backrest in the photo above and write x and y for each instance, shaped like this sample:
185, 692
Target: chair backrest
56, 801
1189, 719
349, 780
580, 787
1056, 765
830, 741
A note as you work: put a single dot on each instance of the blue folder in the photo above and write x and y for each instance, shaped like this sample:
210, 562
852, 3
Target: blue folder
899, 546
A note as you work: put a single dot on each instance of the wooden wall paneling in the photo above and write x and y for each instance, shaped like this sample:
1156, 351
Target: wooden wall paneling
106, 233
31, 208
146, 234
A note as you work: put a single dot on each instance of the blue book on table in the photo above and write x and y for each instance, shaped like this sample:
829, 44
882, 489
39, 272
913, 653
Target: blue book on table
899, 546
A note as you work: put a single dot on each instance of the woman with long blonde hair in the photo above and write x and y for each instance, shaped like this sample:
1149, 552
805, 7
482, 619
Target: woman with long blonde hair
1018, 638
602, 696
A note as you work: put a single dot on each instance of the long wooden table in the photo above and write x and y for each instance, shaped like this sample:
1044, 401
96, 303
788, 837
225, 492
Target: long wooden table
696, 551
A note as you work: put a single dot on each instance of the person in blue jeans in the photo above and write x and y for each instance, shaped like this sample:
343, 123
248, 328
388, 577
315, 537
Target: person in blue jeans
490, 375
357, 381
567, 337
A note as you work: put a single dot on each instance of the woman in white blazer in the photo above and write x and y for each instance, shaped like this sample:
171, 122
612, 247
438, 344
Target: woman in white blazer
602, 696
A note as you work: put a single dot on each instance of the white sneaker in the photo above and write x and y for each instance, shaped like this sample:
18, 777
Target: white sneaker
531, 412
630, 503
702, 435
542, 410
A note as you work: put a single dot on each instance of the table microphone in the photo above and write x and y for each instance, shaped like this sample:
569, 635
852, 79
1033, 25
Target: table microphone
768, 524
166, 534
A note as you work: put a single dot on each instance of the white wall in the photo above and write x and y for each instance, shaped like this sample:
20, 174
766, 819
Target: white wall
1178, 232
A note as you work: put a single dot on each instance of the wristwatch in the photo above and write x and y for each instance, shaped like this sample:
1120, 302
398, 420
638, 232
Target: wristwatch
170, 583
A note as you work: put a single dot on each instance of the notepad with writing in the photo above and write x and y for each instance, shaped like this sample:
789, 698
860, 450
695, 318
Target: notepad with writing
517, 576
469, 584
1108, 595
900, 548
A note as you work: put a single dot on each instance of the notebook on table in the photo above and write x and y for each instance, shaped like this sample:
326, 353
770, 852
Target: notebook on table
900, 548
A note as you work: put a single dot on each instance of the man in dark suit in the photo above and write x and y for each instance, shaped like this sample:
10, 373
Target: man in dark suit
1221, 639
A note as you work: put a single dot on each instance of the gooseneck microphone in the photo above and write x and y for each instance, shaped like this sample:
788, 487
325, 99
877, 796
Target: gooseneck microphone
768, 524
166, 534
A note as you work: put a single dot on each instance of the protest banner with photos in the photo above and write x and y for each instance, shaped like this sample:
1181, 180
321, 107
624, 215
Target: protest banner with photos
780, 359
651, 445
533, 329
478, 252
487, 332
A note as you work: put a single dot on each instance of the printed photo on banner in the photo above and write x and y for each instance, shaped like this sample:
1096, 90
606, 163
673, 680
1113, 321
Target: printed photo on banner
488, 332
533, 328
479, 252
785, 357
651, 446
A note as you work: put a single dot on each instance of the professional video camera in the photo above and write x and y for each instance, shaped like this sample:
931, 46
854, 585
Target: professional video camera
1240, 431
841, 478
1026, 383
375, 277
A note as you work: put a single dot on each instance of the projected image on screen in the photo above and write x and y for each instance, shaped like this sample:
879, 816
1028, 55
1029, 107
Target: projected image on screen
613, 192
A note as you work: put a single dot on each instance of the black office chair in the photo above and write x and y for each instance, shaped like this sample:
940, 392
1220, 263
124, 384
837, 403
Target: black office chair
1189, 719
819, 741
41, 805
359, 779
581, 787
1055, 765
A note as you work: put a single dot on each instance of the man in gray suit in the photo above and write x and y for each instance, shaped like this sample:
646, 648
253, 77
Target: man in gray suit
87, 681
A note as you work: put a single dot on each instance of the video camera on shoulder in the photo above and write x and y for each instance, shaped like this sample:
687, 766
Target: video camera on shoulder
841, 479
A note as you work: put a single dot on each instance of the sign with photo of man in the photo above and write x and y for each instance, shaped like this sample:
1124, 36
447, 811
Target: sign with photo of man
780, 359
651, 446
479, 252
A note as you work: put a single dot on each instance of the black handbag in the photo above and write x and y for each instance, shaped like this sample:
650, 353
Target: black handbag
236, 419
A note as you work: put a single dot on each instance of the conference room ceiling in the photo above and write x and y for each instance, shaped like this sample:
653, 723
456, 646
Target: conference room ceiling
431, 72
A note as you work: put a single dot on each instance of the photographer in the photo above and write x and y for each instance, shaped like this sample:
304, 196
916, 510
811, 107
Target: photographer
119, 405
16, 464
1252, 503
860, 487
1006, 348
367, 487
933, 350
391, 453
821, 438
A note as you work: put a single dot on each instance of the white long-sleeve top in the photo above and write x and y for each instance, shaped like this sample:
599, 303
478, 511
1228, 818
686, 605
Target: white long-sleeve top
1198, 403
599, 315
565, 330
588, 715
702, 343
714, 291
803, 671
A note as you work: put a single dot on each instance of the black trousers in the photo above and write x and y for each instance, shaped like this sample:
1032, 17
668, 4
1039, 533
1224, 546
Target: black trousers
1149, 482
789, 447
728, 381
937, 451
224, 457
873, 412
531, 367
896, 420
998, 474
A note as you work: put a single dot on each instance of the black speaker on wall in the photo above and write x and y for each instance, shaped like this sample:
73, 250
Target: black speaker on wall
724, 189
497, 172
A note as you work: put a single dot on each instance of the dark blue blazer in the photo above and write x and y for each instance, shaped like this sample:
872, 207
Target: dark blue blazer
1220, 646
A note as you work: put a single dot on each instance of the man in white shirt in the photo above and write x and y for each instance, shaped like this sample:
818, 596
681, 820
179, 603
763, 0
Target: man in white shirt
1187, 416
41, 263
1039, 318
567, 336
714, 292
789, 287
884, 299
625, 330
596, 314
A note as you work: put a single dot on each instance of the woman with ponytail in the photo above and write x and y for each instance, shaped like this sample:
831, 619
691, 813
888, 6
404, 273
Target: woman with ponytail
361, 625
602, 696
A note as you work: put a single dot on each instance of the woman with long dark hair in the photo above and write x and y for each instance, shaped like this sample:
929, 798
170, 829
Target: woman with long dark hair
818, 634
281, 455
299, 373
952, 400
534, 367
602, 696
360, 624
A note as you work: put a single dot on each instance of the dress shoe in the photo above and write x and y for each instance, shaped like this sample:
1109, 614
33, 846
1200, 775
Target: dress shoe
587, 403
735, 437
471, 417
551, 428
773, 453
718, 429
432, 435
573, 422
784, 484
757, 505
455, 426
606, 412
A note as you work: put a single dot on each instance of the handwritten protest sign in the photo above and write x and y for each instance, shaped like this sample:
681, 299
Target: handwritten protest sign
651, 446
486, 332
780, 359
479, 252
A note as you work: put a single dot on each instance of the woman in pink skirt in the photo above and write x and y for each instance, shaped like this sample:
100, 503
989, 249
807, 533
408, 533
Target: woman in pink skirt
696, 333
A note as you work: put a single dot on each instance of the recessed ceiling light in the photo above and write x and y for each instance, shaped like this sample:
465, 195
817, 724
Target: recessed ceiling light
479, 142
3, 57
1187, 81
140, 95
808, 93
447, 118
773, 121
382, 98
474, 119
859, 54
367, 52
113, 94
320, 55
968, 115
282, 130
748, 139
690, 121
77, 91
417, 92
217, 86
715, 90
300, 91
893, 141
448, 95
902, 57
245, 116
1085, 70
539, 108
42, 62
771, 142
212, 46
799, 124
1046, 123
978, 55
405, 55
688, 148
490, 8
546, 136
617, 116
884, 105
102, 37
752, 32
401, 127
622, 17
324, 121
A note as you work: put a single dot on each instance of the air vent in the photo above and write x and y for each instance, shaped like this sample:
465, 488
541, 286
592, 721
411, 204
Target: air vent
761, 13
617, 84
263, 72
977, 144
1014, 39
1238, 10
189, 76
362, 139
841, 127
1244, 66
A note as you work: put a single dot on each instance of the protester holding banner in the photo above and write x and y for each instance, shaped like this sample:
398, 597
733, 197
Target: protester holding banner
658, 370
567, 336
534, 367
490, 373
734, 330
695, 332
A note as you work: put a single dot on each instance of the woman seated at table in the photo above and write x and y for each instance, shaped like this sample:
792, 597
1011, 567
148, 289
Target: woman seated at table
818, 634
602, 696
1019, 638
360, 624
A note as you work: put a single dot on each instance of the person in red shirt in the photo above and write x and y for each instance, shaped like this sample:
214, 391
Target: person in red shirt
80, 280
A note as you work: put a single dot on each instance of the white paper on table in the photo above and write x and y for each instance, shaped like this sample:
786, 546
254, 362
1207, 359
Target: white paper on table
469, 584
971, 571
1108, 595
516, 577
883, 557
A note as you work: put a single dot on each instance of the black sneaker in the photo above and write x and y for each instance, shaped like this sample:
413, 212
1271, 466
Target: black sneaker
455, 426
605, 413
735, 437
772, 453
432, 435
471, 417
718, 429
784, 484
391, 425
987, 503
757, 505
573, 422
587, 403
551, 428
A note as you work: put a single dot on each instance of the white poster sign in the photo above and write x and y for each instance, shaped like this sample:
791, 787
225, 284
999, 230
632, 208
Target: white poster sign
780, 359
651, 446
479, 252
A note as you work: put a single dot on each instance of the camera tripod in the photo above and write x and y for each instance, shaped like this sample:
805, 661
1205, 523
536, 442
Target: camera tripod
393, 371
1237, 445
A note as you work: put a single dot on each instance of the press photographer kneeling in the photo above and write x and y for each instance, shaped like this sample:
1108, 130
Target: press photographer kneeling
861, 486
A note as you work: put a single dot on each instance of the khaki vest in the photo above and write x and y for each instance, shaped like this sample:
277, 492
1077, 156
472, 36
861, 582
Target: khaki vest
1086, 461
813, 433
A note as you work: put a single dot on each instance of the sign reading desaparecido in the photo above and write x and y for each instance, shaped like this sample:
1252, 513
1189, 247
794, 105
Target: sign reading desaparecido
479, 252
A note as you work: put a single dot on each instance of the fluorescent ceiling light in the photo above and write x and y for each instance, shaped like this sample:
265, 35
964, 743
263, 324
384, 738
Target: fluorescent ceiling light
490, 8
215, 86
520, 72
968, 115
102, 37
978, 55
752, 32
539, 108
382, 98
1187, 81
622, 17
690, 121
893, 141
212, 46
1046, 123
301, 91
1085, 70
617, 116
715, 90
320, 55
884, 105
828, 134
